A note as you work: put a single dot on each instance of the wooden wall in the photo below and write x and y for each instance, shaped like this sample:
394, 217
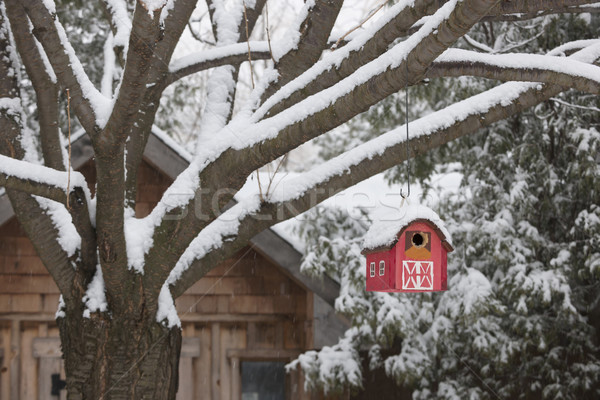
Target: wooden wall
245, 309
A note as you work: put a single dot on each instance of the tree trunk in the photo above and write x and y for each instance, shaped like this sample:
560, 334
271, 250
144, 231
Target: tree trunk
119, 358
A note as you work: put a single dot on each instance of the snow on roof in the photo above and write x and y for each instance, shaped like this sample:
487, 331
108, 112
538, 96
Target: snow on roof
384, 232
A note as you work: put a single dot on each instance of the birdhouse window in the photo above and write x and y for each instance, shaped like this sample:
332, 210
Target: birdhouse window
372, 269
381, 268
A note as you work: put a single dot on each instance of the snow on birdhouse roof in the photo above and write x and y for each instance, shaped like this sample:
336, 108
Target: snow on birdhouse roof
384, 232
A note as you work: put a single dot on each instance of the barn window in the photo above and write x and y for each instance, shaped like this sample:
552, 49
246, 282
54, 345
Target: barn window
381, 268
263, 380
372, 269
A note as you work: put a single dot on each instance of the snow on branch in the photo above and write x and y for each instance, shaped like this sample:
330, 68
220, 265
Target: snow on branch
145, 34
343, 61
518, 67
306, 190
120, 22
232, 54
526, 10
227, 25
91, 107
304, 43
37, 179
252, 143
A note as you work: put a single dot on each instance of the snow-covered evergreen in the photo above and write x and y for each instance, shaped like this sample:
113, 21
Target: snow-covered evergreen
520, 318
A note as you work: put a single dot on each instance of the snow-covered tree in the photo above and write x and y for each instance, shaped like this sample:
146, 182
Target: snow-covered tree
90, 244
520, 318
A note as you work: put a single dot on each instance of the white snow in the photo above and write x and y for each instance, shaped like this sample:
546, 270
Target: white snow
246, 134
165, 11
525, 61
331, 60
574, 45
153, 5
60, 311
38, 173
139, 231
109, 67
213, 236
47, 66
167, 312
95, 297
384, 231
68, 237
217, 53
50, 5
121, 21
11, 105
334, 364
101, 105
290, 39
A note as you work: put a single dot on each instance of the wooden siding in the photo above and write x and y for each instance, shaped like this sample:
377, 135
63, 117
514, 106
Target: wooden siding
245, 309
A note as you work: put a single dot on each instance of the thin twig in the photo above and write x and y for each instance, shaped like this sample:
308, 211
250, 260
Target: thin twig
248, 42
268, 34
197, 35
260, 193
564, 103
359, 25
69, 159
272, 177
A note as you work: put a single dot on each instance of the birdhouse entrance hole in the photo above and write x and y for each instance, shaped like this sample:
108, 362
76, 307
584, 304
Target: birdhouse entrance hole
418, 240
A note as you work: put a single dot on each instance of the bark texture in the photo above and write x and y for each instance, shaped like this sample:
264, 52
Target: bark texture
126, 358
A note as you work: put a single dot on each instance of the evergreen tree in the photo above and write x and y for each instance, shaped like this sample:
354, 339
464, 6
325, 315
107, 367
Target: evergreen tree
520, 318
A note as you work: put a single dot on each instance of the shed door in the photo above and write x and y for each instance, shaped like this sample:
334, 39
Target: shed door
47, 352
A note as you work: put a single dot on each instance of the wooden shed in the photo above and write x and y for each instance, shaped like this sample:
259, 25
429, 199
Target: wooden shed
241, 323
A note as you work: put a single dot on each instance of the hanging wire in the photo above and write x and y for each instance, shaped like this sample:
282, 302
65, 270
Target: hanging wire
407, 146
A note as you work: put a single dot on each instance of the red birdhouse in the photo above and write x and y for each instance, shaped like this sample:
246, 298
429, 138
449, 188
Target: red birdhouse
407, 252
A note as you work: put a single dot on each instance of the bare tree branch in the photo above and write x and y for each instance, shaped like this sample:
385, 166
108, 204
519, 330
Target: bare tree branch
219, 107
234, 54
37, 180
87, 101
401, 24
358, 164
231, 168
109, 147
518, 67
532, 7
344, 61
145, 34
36, 223
174, 25
120, 24
314, 32
44, 84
